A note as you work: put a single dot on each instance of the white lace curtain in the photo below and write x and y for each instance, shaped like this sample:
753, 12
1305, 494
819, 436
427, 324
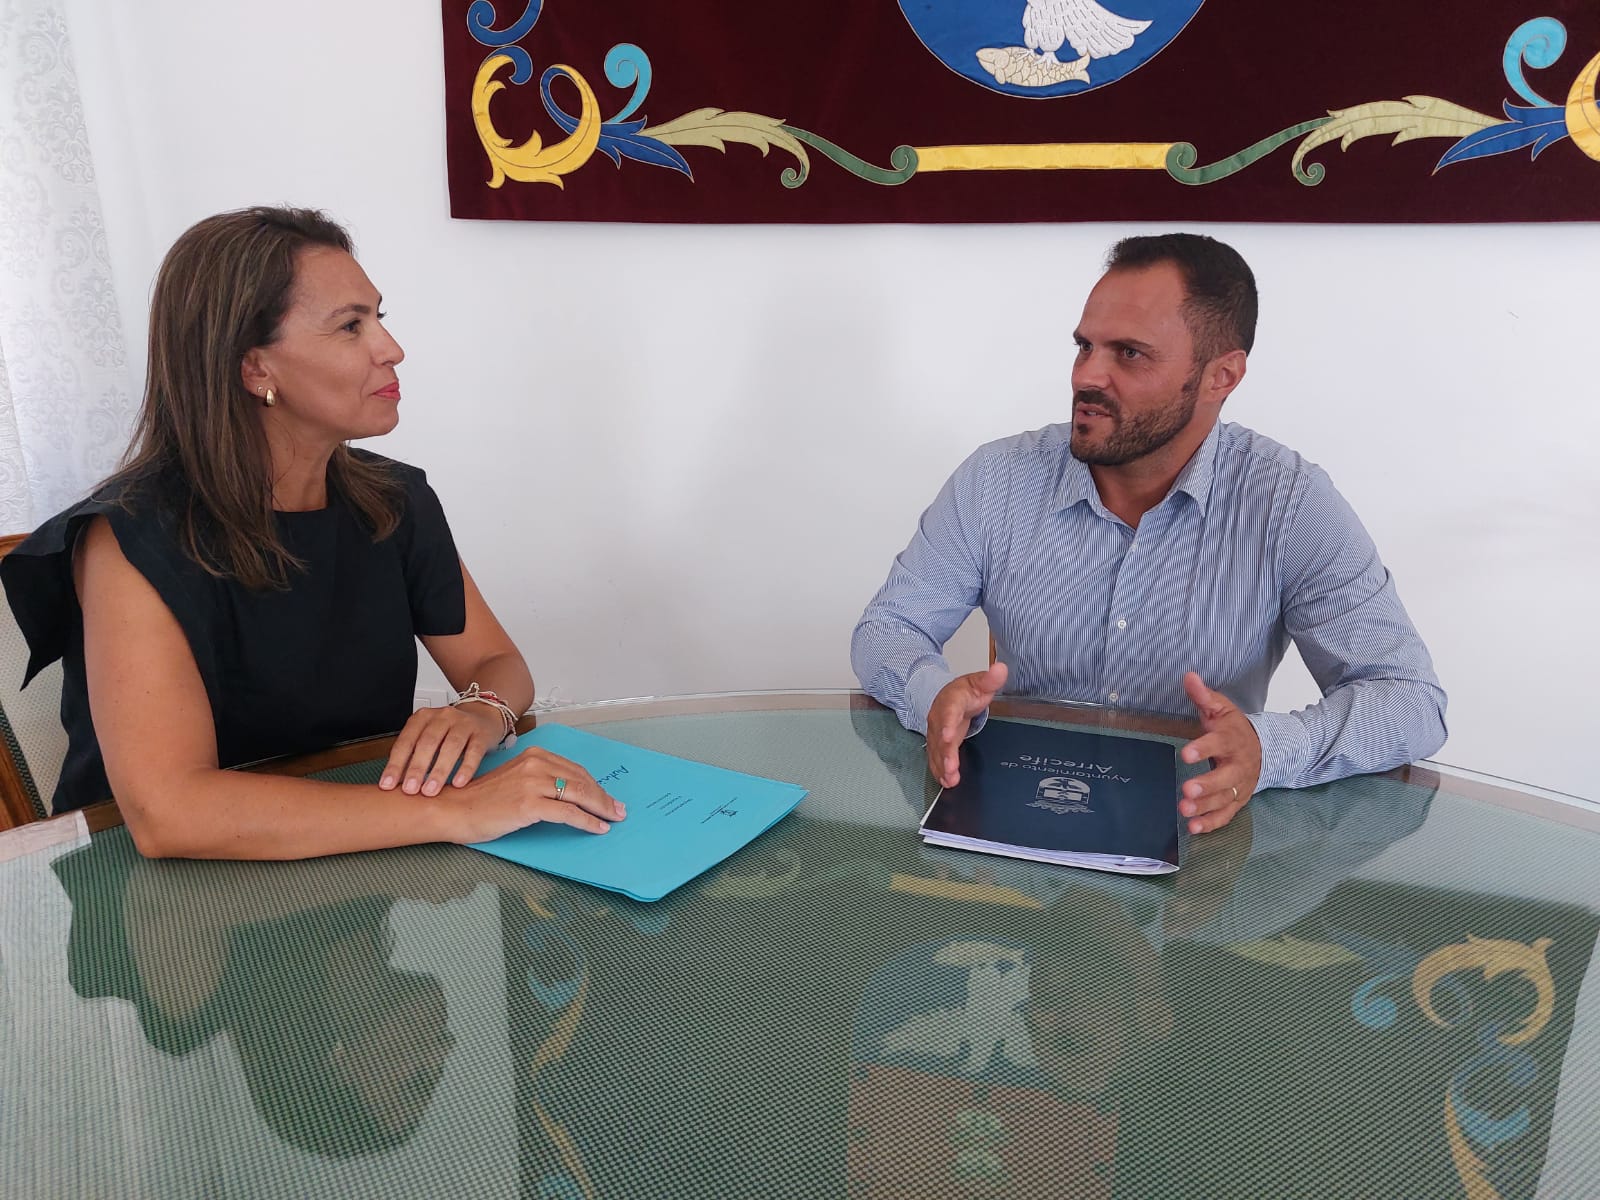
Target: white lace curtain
66, 403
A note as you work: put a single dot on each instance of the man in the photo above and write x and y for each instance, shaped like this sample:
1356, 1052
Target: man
1147, 556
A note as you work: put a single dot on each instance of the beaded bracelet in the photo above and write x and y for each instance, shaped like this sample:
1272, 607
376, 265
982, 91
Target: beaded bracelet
477, 695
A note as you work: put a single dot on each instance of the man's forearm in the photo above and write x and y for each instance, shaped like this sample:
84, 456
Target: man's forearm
898, 666
1359, 728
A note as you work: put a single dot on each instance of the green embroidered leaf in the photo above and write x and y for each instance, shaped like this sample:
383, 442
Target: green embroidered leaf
1408, 119
1293, 953
714, 127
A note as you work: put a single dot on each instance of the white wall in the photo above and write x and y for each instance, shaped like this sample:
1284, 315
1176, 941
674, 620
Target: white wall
679, 459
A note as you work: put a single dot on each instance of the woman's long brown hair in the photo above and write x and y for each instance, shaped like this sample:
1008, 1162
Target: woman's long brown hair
199, 450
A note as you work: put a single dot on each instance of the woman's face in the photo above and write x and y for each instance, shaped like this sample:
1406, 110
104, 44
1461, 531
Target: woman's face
332, 366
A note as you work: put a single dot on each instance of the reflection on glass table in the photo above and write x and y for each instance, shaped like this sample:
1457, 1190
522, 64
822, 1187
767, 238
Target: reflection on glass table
1376, 987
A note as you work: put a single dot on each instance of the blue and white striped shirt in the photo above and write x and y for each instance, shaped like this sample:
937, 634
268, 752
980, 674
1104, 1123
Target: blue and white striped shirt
1251, 547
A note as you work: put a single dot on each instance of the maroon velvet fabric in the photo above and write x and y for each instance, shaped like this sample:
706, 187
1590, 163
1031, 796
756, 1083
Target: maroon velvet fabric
855, 73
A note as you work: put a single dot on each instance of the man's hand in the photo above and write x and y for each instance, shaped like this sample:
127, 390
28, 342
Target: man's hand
1211, 800
963, 698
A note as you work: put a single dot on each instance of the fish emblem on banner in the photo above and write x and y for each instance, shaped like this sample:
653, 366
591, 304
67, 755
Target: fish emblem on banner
1047, 48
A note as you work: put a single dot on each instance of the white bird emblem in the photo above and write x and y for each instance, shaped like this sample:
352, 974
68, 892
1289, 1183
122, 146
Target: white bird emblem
1088, 29
1093, 31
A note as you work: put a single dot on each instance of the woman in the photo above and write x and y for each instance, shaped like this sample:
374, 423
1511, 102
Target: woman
248, 585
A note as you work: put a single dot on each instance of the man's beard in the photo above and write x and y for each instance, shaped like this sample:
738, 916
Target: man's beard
1135, 438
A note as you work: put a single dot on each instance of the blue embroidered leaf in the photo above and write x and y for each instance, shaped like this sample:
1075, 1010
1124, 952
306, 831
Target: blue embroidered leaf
1535, 127
568, 122
1551, 118
646, 150
618, 139
613, 134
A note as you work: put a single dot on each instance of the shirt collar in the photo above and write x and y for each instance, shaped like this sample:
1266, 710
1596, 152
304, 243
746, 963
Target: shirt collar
1196, 478
1200, 472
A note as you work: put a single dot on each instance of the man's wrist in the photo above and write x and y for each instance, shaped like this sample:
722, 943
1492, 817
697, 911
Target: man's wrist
1285, 748
974, 723
923, 688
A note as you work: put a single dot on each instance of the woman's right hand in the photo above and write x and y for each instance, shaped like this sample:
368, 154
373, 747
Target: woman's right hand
522, 792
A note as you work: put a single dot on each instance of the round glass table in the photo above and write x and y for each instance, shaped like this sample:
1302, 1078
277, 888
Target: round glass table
1379, 987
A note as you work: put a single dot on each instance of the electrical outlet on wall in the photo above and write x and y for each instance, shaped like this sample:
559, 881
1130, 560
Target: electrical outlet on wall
430, 697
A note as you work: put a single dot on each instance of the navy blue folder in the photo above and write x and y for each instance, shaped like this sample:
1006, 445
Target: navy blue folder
1099, 800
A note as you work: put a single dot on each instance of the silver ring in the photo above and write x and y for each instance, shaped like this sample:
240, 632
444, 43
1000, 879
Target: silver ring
561, 787
1236, 793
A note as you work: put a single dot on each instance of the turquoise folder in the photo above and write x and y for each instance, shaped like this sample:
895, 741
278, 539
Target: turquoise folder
683, 817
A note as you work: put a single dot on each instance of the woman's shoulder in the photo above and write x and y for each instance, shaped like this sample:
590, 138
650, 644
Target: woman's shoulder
133, 507
37, 573
420, 503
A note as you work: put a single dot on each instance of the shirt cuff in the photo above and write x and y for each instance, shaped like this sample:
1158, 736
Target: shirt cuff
923, 688
1285, 748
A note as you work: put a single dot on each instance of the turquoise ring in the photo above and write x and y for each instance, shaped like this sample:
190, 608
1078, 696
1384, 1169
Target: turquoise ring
561, 786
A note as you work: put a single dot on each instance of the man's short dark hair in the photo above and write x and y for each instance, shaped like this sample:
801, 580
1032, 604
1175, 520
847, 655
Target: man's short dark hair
1220, 292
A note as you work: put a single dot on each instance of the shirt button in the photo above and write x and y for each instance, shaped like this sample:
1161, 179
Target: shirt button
1112, 697
1123, 624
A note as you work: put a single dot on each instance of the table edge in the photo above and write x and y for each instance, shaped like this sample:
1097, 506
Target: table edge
71, 827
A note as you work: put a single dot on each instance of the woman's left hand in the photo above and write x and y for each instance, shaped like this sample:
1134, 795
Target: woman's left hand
432, 742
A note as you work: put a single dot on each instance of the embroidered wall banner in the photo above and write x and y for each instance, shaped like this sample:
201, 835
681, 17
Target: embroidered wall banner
1022, 110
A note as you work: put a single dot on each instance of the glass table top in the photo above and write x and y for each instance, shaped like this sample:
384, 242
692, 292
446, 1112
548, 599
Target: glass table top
1376, 988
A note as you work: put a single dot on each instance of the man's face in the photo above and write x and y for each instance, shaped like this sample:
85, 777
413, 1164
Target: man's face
1134, 381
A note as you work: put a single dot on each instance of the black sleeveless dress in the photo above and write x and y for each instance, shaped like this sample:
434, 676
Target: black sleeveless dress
331, 658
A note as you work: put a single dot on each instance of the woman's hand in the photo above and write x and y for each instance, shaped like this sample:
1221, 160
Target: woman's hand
431, 743
523, 792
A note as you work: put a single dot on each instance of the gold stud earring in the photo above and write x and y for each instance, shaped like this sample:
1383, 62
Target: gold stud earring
270, 397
